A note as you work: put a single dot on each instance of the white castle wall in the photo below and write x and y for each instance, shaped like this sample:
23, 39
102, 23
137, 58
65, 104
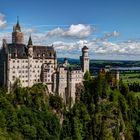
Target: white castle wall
29, 71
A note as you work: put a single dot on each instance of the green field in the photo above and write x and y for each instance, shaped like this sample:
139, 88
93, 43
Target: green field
130, 77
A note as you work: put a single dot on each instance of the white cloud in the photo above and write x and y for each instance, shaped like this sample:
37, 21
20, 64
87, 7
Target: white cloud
110, 35
79, 31
55, 32
74, 31
3, 22
104, 49
99, 48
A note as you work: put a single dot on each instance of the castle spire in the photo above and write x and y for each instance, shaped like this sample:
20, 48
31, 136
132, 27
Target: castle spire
17, 20
30, 40
17, 27
17, 35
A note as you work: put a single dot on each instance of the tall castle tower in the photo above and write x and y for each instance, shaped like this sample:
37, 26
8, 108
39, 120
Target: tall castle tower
30, 47
17, 35
30, 61
85, 59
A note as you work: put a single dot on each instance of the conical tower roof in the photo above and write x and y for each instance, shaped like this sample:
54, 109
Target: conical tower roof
17, 27
30, 41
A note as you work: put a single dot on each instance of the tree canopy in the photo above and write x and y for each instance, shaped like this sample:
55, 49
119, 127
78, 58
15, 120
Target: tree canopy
99, 113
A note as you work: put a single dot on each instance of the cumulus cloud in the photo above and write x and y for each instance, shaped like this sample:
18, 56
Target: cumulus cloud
3, 22
55, 32
79, 31
110, 35
74, 31
100, 48
104, 49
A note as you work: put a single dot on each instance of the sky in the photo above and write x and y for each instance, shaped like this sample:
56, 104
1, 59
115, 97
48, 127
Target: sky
110, 28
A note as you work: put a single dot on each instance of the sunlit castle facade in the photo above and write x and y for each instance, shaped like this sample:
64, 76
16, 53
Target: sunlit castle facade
33, 64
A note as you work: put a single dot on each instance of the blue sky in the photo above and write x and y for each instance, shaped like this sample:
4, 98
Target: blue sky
112, 27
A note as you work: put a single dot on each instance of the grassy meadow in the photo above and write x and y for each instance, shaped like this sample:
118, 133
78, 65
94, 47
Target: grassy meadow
130, 77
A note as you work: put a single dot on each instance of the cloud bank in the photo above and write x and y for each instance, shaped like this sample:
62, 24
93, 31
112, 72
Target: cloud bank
69, 40
74, 31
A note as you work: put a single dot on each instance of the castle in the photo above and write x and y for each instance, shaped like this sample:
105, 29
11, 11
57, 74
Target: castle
33, 64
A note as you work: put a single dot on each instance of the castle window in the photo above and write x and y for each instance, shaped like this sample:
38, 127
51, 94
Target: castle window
13, 61
17, 67
13, 77
13, 66
13, 71
26, 61
19, 71
18, 61
36, 61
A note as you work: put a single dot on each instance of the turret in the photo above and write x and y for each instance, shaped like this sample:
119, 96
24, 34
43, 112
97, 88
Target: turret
65, 64
4, 45
30, 47
117, 75
17, 35
85, 59
30, 43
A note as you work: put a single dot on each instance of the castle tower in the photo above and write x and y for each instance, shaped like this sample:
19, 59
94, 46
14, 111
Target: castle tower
17, 35
30, 47
117, 75
85, 59
65, 64
30, 60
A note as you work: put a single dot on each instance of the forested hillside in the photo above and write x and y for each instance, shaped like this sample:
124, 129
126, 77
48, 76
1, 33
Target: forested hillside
101, 112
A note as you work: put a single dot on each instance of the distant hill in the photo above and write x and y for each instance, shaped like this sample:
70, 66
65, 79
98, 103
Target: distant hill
70, 60
104, 63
